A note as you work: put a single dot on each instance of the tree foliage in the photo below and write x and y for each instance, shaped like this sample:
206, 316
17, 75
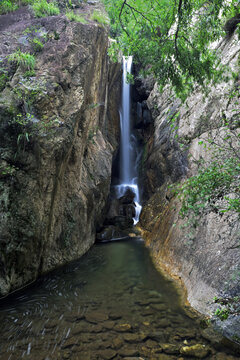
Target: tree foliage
170, 38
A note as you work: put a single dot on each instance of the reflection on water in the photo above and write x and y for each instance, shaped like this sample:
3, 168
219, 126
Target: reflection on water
110, 304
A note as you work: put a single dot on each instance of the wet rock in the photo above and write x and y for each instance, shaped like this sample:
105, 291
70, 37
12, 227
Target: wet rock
122, 327
125, 351
118, 342
229, 327
159, 336
164, 357
122, 222
134, 338
223, 356
176, 319
215, 338
146, 323
185, 333
199, 351
96, 317
122, 211
147, 312
114, 315
96, 329
107, 354
159, 307
78, 328
170, 348
143, 302
133, 358
132, 235
108, 233
51, 324
151, 343
155, 300
127, 198
66, 354
163, 323
69, 343
154, 293
108, 325
84, 355
74, 317
130, 337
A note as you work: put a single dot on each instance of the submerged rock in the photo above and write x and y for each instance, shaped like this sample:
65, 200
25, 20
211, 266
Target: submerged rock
199, 351
96, 317
108, 233
107, 354
170, 348
122, 327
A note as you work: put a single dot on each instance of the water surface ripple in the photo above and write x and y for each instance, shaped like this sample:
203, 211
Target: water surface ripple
110, 304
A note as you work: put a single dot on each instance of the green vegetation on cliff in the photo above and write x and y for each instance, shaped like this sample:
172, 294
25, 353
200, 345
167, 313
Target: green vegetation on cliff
171, 38
25, 60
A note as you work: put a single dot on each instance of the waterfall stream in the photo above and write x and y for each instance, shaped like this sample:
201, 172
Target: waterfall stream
128, 145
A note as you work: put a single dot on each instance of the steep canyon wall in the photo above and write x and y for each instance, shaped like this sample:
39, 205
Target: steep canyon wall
206, 257
59, 129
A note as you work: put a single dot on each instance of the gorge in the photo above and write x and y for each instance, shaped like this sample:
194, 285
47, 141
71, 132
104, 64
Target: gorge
61, 143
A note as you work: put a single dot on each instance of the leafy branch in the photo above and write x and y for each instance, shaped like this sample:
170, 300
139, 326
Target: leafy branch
170, 38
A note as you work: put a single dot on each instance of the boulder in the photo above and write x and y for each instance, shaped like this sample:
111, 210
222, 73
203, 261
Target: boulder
123, 222
128, 197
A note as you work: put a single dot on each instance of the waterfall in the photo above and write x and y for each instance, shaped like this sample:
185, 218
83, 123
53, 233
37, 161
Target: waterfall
128, 144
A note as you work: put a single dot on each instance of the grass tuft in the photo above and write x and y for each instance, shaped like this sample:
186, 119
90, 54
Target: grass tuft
7, 6
75, 17
25, 60
100, 17
42, 8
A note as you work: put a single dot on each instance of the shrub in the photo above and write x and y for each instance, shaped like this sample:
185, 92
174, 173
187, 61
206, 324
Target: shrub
42, 8
100, 18
7, 6
25, 60
204, 189
74, 17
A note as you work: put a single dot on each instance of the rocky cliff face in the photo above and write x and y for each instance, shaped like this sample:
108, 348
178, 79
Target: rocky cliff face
59, 132
206, 257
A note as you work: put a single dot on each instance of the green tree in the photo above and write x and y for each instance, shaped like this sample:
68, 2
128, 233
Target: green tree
170, 38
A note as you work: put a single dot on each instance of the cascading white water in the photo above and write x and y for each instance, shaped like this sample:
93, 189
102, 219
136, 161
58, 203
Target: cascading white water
125, 154
128, 162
